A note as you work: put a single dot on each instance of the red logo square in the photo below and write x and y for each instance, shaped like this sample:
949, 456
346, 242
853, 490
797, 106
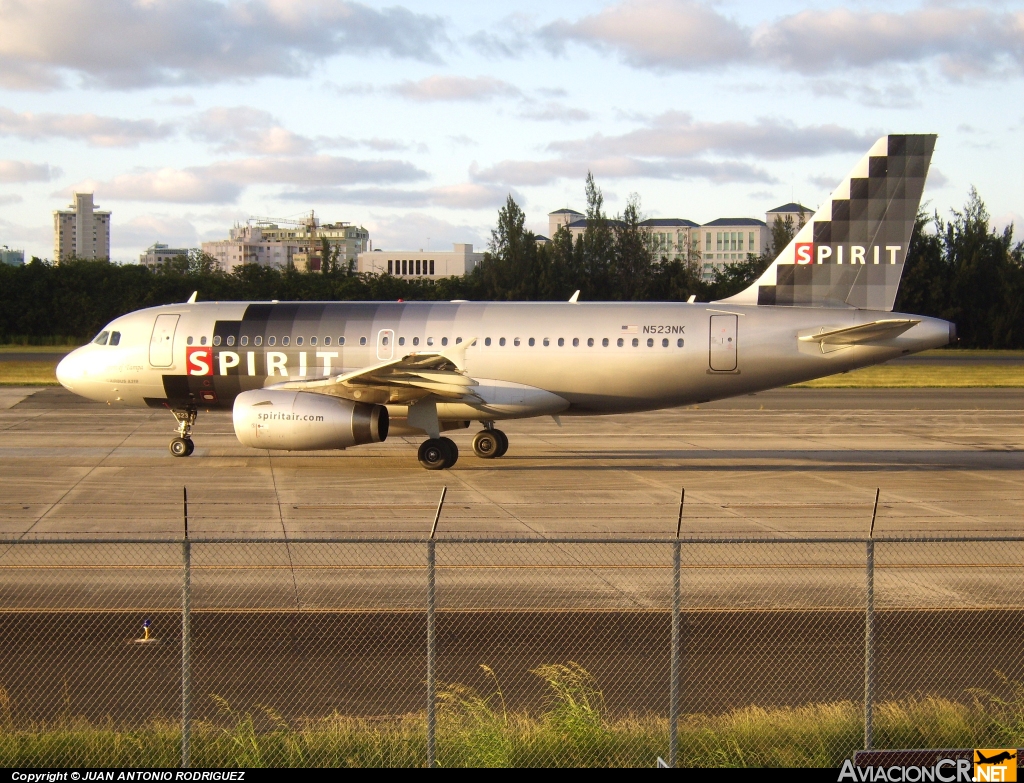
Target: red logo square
804, 252
199, 361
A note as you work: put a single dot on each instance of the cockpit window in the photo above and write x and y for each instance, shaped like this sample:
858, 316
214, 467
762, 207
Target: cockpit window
101, 338
115, 338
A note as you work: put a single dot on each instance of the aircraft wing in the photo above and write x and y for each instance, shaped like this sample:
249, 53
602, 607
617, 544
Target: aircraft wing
404, 380
874, 331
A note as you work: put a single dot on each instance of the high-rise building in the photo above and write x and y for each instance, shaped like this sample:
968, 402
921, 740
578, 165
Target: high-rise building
286, 243
11, 257
81, 230
158, 254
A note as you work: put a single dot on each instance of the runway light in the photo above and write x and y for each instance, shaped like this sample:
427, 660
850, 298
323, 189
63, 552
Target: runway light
146, 638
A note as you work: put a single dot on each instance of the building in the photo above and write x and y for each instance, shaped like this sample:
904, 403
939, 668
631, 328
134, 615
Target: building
286, 243
419, 263
798, 212
727, 240
82, 230
672, 237
158, 254
562, 217
11, 257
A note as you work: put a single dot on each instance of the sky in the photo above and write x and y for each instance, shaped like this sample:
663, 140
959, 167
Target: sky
417, 120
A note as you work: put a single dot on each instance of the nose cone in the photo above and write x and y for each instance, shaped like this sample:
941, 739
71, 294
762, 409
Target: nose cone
67, 372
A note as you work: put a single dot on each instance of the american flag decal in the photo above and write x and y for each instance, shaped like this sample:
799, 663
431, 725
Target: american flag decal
630, 329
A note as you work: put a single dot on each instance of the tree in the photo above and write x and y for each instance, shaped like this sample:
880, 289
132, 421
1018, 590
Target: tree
598, 254
633, 257
509, 269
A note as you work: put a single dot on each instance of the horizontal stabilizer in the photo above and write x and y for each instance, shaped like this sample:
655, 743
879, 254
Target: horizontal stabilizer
871, 332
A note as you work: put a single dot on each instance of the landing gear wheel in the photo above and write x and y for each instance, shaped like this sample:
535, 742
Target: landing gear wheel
502, 442
191, 447
182, 446
438, 453
486, 444
453, 451
179, 447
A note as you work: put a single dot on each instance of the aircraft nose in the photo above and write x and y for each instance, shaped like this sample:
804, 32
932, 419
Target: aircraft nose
67, 372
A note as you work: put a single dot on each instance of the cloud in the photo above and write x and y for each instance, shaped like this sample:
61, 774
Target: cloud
137, 43
89, 128
543, 172
936, 179
676, 134
412, 230
23, 171
144, 230
896, 95
467, 195
224, 181
11, 198
684, 35
1011, 218
455, 88
825, 181
554, 112
660, 34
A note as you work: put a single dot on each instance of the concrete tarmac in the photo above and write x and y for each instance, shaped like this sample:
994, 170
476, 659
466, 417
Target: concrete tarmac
779, 463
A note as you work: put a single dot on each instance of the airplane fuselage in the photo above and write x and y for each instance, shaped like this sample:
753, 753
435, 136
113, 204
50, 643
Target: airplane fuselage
532, 358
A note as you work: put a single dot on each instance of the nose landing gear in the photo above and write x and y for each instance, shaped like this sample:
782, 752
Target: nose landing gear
182, 446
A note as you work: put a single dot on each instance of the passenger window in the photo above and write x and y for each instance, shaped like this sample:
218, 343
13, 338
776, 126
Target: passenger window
384, 340
312, 341
430, 341
115, 338
362, 341
271, 341
501, 341
243, 340
664, 342
561, 341
604, 342
444, 341
575, 342
636, 342
532, 342
202, 340
650, 342
104, 336
216, 339
327, 341
679, 343
298, 341
231, 340
515, 342
415, 340
257, 340
341, 341
101, 338
286, 340
401, 341
590, 342
547, 341
487, 341
620, 343
457, 340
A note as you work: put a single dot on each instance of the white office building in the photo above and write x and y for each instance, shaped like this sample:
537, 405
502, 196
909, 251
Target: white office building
728, 240
82, 230
421, 263
11, 257
797, 212
157, 255
282, 245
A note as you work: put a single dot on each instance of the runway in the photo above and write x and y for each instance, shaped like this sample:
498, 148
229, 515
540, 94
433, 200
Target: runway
785, 462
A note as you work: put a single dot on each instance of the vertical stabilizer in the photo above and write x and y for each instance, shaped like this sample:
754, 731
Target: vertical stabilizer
851, 253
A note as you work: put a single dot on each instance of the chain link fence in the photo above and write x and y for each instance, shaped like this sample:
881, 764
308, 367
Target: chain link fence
506, 651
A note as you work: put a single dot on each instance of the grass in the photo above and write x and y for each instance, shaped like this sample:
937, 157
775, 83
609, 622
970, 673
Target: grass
919, 376
28, 373
478, 730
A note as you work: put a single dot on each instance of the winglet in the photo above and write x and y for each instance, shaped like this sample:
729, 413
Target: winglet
574, 299
691, 299
456, 354
192, 299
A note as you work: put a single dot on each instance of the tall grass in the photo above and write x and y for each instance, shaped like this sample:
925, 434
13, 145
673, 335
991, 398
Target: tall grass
477, 729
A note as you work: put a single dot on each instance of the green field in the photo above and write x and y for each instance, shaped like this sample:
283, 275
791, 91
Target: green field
28, 373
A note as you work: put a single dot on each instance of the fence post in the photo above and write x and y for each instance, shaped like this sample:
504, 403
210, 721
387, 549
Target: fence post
869, 635
432, 642
674, 674
186, 644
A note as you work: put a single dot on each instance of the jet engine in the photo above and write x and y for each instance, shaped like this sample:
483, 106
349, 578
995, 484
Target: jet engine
303, 421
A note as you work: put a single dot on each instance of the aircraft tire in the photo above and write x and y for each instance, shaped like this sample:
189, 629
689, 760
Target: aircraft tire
179, 447
502, 443
191, 447
453, 451
486, 444
433, 454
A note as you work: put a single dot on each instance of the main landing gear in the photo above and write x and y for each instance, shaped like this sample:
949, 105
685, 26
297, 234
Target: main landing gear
490, 443
182, 446
438, 453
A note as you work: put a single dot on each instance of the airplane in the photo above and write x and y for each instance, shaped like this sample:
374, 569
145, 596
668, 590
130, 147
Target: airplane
996, 759
332, 375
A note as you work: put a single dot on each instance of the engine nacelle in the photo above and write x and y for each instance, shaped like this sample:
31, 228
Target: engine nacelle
303, 421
